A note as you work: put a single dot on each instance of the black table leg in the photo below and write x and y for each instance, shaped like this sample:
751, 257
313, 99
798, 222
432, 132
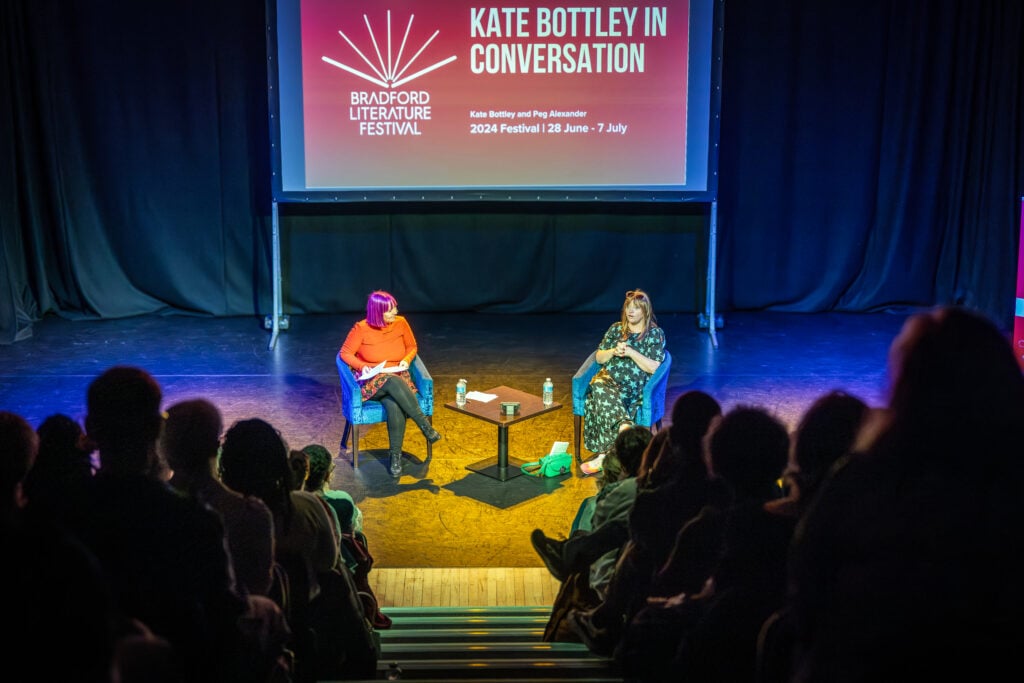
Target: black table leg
502, 467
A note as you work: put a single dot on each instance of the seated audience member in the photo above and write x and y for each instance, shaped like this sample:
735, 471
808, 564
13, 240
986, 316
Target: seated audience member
58, 484
321, 467
322, 602
163, 555
57, 614
673, 486
190, 443
907, 565
19, 445
584, 563
298, 461
825, 433
354, 546
611, 473
255, 461
611, 510
712, 635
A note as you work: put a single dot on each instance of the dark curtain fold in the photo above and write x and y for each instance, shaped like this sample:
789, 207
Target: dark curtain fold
871, 154
871, 157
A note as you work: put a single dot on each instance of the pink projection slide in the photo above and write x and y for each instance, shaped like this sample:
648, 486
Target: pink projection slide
456, 93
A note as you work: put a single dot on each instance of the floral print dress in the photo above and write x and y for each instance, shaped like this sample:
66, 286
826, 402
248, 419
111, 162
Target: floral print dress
616, 391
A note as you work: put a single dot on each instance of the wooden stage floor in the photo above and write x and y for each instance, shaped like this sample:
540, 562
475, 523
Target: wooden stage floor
440, 515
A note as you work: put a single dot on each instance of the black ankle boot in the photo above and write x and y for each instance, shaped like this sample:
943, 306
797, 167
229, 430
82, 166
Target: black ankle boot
395, 463
431, 434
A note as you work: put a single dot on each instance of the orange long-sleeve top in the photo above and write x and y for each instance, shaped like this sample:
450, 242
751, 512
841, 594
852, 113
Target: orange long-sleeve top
367, 345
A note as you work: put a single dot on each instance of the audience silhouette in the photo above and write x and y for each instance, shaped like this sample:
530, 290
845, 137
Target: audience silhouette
712, 635
190, 443
674, 486
584, 563
318, 481
355, 549
826, 432
163, 554
907, 565
332, 636
54, 596
298, 461
892, 551
608, 518
58, 484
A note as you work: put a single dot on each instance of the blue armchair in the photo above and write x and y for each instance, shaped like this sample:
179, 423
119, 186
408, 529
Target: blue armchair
359, 412
652, 407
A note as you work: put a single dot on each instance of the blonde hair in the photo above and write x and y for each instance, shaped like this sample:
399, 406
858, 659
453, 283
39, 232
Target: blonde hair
641, 299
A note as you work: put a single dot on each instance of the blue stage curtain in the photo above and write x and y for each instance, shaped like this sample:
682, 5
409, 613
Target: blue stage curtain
872, 154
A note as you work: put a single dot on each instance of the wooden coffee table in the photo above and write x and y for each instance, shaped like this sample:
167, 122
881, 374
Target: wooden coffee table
501, 466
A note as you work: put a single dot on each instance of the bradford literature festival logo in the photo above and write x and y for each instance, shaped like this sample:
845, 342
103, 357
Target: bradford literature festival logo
389, 111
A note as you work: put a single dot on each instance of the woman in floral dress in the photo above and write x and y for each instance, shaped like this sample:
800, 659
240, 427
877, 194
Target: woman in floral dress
630, 352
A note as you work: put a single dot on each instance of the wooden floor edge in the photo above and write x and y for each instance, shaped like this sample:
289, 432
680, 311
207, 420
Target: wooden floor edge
463, 586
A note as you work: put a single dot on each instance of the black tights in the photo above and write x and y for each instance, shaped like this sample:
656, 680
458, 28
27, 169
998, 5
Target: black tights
400, 404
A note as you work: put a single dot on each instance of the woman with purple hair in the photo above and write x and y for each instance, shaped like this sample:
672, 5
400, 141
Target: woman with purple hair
385, 337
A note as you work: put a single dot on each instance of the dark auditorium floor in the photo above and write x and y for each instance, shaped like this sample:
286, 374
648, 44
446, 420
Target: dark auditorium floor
439, 514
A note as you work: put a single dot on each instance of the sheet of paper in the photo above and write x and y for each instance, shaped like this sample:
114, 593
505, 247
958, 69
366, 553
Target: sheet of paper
480, 396
559, 447
369, 372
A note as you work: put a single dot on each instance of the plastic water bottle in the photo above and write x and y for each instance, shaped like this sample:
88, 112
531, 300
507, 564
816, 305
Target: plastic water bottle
460, 393
547, 396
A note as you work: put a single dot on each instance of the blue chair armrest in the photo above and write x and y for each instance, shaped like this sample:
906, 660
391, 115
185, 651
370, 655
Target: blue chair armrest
424, 385
653, 407
351, 396
581, 380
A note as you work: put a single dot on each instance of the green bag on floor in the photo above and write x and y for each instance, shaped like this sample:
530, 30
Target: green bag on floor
552, 465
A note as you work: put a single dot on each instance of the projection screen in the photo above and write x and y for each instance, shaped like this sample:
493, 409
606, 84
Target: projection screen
464, 100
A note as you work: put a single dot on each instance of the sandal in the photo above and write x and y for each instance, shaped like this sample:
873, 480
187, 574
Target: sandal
594, 465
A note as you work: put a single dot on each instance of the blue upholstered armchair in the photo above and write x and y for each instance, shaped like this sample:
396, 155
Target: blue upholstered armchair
652, 408
359, 412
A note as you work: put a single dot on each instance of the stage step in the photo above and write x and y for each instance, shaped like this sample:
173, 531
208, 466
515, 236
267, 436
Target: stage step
468, 621
475, 635
482, 643
490, 611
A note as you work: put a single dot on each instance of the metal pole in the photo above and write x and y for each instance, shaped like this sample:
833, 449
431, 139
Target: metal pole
275, 325
709, 307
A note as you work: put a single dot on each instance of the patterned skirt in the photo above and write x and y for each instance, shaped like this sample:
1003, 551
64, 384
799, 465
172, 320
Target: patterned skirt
373, 385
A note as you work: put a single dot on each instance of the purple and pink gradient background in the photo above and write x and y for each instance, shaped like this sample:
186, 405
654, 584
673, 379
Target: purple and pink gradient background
1018, 321
652, 104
